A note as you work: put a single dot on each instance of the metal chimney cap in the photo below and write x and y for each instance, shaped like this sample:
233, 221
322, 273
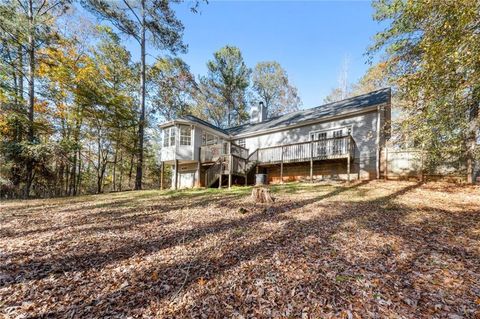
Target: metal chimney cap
261, 103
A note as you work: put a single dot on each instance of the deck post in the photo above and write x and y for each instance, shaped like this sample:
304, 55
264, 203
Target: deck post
176, 174
220, 176
230, 164
348, 168
386, 164
197, 175
349, 154
162, 170
281, 168
311, 161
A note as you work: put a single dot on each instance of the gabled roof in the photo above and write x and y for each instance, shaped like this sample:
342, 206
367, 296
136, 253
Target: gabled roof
353, 104
205, 123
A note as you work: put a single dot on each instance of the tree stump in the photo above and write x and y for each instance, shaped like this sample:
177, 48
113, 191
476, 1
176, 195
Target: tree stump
261, 194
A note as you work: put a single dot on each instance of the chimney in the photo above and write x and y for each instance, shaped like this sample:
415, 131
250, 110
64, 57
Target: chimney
258, 113
263, 112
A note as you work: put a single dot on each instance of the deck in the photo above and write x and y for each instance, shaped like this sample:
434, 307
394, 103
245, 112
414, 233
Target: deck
230, 159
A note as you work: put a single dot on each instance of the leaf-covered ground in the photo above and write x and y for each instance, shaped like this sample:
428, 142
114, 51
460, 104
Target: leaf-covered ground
364, 250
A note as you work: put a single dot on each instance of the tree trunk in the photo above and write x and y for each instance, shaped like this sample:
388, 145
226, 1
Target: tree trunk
79, 174
114, 179
59, 188
121, 172
229, 111
31, 96
20, 76
99, 177
261, 195
130, 172
73, 175
472, 136
141, 122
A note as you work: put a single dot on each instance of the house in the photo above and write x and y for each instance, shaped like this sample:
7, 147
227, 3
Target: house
340, 140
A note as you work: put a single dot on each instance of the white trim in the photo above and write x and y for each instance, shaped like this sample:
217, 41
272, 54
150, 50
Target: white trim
187, 122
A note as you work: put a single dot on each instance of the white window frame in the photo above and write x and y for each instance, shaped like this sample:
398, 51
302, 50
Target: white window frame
169, 134
240, 142
185, 135
209, 138
330, 132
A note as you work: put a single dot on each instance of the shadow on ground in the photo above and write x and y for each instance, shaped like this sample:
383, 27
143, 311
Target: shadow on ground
297, 241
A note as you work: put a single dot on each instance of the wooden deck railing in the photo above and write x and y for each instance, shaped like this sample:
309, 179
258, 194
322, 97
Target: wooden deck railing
237, 162
211, 153
332, 148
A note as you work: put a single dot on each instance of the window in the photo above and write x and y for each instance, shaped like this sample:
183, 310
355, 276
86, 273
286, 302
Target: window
240, 142
338, 133
169, 136
166, 137
185, 135
173, 131
209, 139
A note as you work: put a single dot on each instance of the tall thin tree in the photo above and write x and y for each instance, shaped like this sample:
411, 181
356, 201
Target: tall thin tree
30, 27
137, 19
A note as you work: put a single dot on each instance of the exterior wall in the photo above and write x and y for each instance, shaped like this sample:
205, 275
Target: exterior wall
196, 142
167, 153
363, 130
183, 152
187, 176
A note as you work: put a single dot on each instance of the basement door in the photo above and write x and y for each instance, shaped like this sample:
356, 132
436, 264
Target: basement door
186, 179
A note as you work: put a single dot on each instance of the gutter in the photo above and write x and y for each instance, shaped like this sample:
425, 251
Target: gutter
187, 122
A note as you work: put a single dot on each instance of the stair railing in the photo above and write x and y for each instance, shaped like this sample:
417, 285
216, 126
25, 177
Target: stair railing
214, 171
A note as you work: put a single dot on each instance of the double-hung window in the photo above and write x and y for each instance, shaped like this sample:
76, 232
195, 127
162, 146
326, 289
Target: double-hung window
185, 135
166, 137
169, 136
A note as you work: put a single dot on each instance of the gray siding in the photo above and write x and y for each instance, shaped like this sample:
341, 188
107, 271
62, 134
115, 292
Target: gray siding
197, 142
364, 132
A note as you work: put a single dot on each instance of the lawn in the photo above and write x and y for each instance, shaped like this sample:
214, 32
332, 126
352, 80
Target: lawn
368, 249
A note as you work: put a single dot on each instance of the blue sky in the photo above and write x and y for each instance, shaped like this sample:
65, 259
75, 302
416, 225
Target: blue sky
309, 39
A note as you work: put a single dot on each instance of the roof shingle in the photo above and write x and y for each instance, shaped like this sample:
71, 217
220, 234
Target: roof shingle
353, 104
356, 103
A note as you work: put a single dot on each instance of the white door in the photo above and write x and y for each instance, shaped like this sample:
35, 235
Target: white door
327, 146
186, 179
